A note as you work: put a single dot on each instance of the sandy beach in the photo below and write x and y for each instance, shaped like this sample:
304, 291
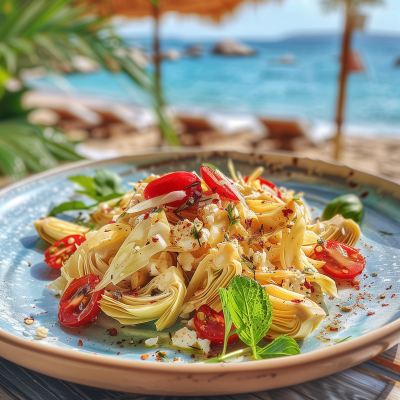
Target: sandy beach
106, 131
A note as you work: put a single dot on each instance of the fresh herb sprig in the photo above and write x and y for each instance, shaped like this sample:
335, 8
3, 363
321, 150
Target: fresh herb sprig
233, 215
196, 234
246, 304
342, 340
103, 186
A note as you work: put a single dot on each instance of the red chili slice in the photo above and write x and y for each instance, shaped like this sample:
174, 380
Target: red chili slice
172, 182
211, 325
341, 260
211, 178
267, 183
61, 251
79, 305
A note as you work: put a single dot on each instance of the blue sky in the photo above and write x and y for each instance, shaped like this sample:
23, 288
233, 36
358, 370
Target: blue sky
270, 20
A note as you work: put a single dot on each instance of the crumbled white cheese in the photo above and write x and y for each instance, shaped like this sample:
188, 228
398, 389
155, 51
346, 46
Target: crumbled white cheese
151, 342
183, 234
186, 260
42, 331
191, 324
296, 284
208, 199
186, 339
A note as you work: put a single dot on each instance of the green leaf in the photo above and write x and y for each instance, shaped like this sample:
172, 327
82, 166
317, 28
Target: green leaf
224, 295
342, 340
251, 310
107, 182
68, 206
281, 346
87, 183
210, 165
348, 206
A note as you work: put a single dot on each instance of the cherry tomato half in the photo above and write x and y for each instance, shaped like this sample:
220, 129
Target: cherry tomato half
61, 251
211, 178
211, 325
342, 261
267, 183
79, 305
172, 182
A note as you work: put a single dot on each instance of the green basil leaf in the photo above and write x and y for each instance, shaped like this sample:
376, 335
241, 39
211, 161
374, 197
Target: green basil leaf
280, 347
71, 205
348, 206
85, 182
107, 182
251, 310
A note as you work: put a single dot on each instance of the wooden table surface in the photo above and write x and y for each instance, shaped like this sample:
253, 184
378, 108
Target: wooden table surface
377, 379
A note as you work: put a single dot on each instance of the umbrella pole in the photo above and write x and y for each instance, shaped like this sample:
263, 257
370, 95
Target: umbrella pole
157, 55
344, 69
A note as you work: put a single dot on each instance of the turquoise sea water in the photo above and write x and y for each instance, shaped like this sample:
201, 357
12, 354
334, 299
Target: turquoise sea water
259, 84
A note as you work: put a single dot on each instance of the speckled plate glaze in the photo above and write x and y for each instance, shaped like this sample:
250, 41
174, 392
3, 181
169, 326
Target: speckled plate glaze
112, 362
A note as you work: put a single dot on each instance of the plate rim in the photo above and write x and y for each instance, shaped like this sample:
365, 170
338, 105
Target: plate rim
384, 337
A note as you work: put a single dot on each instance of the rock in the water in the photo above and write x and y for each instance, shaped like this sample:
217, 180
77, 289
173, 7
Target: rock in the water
397, 62
232, 48
194, 51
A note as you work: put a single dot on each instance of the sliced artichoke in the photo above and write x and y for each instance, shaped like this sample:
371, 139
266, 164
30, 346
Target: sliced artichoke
107, 210
161, 299
339, 229
293, 314
215, 271
52, 229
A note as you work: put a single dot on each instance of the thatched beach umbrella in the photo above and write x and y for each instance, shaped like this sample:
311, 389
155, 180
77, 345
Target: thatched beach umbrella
213, 10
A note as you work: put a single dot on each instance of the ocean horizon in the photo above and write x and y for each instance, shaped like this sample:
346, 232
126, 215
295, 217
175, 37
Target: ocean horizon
263, 85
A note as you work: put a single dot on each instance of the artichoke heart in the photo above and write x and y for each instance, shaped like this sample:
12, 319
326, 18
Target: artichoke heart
107, 210
293, 314
339, 229
214, 271
161, 299
52, 229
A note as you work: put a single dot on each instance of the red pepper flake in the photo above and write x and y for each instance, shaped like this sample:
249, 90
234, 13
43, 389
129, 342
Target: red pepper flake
393, 295
111, 222
355, 282
357, 287
108, 210
118, 353
312, 289
384, 305
154, 301
306, 284
154, 239
223, 229
112, 332
370, 313
389, 287
364, 195
239, 238
333, 329
80, 343
248, 222
123, 208
147, 215
141, 340
295, 301
287, 211
119, 342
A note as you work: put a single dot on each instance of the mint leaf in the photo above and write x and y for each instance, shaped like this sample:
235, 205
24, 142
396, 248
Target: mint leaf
251, 310
71, 205
281, 346
213, 167
347, 205
223, 294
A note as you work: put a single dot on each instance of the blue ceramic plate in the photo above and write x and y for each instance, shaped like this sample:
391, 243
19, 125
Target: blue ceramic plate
24, 275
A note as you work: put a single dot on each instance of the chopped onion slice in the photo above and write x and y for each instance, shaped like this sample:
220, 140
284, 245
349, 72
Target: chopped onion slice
233, 187
158, 201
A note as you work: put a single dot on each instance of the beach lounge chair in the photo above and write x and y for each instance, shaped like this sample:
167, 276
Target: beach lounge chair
288, 133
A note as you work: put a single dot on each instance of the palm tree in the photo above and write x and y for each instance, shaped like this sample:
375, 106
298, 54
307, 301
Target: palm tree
351, 8
49, 33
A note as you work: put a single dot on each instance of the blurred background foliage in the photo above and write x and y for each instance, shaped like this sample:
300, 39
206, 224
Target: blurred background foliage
48, 34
